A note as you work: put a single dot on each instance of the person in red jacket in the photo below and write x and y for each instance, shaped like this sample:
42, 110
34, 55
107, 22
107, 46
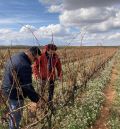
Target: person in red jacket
44, 69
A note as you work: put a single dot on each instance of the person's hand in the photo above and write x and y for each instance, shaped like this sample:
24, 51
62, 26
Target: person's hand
32, 106
41, 103
59, 79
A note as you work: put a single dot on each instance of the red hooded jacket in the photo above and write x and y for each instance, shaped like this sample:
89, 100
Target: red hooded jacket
41, 70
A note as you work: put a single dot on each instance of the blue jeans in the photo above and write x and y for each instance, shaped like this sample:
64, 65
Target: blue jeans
15, 117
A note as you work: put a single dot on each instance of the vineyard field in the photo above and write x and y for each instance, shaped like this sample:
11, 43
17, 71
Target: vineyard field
87, 97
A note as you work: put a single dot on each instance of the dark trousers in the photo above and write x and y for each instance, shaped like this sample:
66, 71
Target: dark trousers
15, 118
47, 85
51, 90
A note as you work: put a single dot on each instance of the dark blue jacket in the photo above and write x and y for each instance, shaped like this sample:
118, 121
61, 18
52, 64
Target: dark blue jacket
20, 65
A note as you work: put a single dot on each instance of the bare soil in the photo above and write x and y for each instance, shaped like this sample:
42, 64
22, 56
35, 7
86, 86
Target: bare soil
109, 93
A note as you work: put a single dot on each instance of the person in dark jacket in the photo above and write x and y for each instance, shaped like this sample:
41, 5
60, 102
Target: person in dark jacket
44, 69
17, 83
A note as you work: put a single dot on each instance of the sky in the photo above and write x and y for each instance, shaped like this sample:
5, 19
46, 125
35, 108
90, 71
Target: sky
71, 22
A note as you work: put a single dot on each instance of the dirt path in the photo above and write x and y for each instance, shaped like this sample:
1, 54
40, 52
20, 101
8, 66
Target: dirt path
109, 93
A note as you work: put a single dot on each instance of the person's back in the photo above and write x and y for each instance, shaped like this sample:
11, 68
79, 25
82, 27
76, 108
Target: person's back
17, 64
